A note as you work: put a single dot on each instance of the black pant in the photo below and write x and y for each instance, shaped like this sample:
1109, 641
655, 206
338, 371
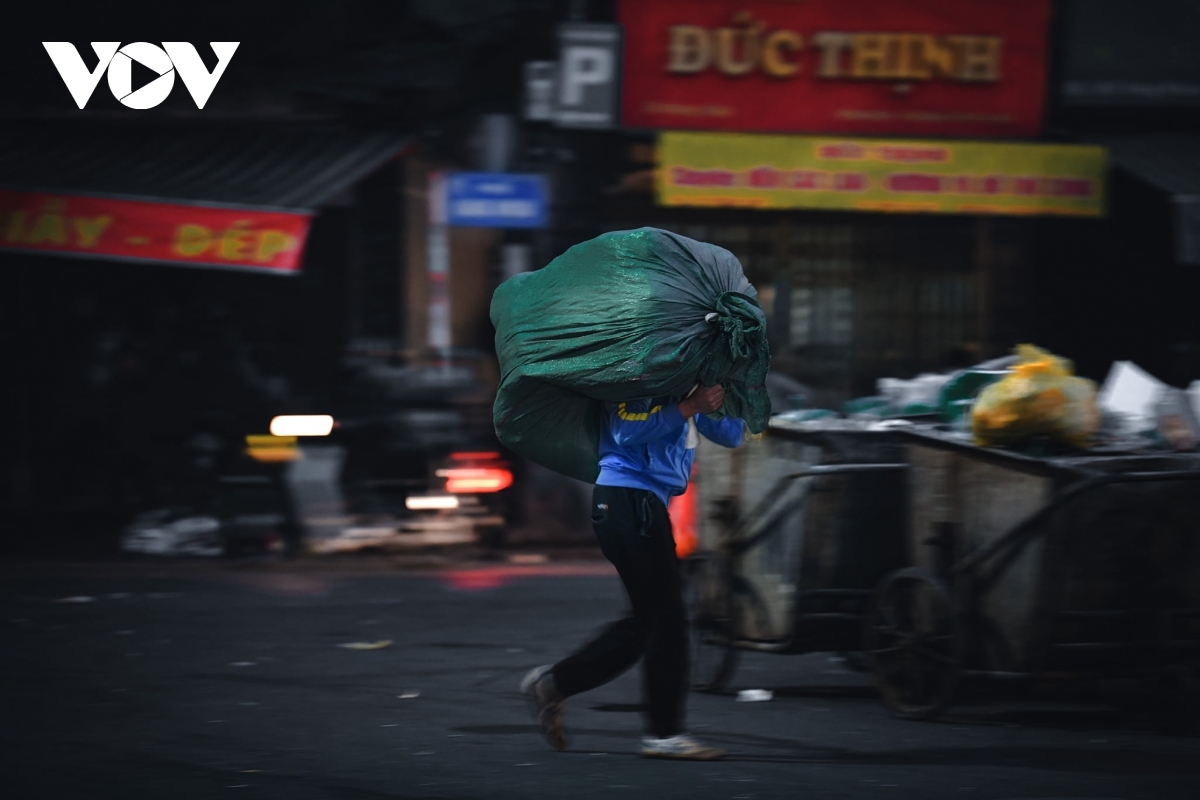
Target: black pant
635, 535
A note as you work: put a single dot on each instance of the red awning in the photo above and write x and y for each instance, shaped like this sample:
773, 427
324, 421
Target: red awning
239, 198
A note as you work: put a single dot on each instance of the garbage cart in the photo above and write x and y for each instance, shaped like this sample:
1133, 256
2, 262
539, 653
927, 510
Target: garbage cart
1025, 569
795, 532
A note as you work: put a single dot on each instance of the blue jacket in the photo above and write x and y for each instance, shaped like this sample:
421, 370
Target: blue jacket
644, 445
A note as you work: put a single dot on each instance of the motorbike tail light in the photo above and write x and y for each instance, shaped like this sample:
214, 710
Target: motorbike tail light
476, 480
480, 455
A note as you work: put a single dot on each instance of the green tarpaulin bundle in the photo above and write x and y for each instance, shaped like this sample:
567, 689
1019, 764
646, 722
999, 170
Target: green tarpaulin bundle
626, 316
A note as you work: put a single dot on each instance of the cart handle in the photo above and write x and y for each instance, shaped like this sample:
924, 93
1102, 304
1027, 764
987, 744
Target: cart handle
826, 469
740, 543
1026, 528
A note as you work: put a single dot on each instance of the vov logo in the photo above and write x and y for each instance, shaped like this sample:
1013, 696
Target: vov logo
164, 61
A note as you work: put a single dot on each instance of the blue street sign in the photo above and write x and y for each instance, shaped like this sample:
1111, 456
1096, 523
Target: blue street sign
495, 200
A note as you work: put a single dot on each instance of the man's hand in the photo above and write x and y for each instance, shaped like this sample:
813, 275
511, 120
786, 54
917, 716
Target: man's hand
704, 400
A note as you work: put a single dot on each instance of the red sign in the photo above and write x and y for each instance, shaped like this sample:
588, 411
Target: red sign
930, 67
71, 225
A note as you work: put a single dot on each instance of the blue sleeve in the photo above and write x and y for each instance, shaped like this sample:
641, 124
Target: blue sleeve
639, 422
726, 432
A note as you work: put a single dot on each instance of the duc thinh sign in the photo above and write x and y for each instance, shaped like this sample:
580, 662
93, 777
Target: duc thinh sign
868, 67
957, 177
495, 200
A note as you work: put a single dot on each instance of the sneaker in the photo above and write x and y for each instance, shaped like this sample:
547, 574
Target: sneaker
546, 705
681, 747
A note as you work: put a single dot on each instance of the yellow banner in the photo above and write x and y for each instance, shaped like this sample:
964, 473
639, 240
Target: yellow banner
751, 171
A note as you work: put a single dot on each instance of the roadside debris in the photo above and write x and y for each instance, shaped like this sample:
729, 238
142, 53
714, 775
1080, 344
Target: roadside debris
155, 533
754, 695
379, 645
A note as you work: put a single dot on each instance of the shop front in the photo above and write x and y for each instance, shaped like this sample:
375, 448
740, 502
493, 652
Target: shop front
128, 376
875, 257
776, 133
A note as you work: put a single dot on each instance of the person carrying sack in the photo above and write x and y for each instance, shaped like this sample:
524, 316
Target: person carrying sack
646, 453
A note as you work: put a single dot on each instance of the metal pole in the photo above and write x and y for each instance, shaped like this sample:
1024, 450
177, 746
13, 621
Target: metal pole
438, 267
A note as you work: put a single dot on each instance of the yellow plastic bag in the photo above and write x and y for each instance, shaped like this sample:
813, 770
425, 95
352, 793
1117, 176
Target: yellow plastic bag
1039, 397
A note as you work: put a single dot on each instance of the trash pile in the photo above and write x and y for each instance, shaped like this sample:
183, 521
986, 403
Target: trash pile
929, 397
1138, 406
1032, 398
1040, 396
625, 316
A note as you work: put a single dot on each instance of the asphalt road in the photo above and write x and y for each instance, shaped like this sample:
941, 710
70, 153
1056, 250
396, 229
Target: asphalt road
183, 681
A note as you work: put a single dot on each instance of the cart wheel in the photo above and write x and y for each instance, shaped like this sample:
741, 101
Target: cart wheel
713, 660
1179, 700
914, 644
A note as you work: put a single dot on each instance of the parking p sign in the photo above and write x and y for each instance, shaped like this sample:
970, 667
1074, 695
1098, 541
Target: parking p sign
589, 60
495, 200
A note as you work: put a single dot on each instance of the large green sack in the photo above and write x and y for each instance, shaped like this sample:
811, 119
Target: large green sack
626, 316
